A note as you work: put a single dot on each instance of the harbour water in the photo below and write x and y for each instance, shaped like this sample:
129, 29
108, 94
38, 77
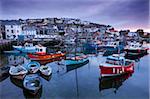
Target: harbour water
81, 83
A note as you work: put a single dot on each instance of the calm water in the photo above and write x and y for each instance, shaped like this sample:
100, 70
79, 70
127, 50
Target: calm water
81, 83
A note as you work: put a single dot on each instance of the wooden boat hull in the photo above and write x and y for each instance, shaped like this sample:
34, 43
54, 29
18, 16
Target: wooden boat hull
37, 57
44, 62
116, 70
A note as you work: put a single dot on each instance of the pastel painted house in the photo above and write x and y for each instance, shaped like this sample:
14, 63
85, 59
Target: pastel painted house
13, 29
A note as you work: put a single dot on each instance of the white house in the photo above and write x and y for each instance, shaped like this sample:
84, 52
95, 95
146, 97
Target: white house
29, 32
13, 29
132, 34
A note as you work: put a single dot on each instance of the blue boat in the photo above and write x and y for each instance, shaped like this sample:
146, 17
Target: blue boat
33, 67
76, 61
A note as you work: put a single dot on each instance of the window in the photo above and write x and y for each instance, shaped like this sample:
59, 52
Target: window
40, 49
11, 26
7, 30
12, 31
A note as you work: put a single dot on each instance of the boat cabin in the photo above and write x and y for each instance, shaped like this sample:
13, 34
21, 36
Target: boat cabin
28, 45
115, 60
40, 48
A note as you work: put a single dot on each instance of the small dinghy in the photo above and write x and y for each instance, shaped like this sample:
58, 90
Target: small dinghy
18, 72
12, 52
33, 67
32, 83
46, 70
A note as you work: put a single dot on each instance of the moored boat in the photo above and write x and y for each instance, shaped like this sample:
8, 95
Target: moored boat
18, 72
135, 49
32, 83
41, 57
116, 65
77, 60
112, 48
33, 66
46, 70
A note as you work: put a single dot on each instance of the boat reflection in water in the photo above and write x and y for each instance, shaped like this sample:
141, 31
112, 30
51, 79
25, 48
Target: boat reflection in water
17, 82
113, 82
15, 59
28, 95
4, 72
69, 68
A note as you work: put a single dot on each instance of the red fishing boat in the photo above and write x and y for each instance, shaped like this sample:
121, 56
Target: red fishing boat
44, 58
116, 65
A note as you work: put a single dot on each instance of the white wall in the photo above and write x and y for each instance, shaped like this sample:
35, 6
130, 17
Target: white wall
17, 30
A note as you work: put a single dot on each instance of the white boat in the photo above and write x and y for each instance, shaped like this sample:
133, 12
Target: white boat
46, 70
18, 72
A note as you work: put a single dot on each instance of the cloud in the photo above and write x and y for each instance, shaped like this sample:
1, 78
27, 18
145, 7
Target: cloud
119, 13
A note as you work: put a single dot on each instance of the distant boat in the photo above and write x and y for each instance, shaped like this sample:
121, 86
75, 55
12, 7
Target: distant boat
135, 50
46, 70
18, 72
30, 48
116, 65
112, 48
33, 66
32, 83
77, 60
12, 52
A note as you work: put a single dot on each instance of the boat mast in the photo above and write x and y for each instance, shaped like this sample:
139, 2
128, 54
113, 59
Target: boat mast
76, 39
77, 86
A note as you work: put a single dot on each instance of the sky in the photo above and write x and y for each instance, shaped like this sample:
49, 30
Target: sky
121, 14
